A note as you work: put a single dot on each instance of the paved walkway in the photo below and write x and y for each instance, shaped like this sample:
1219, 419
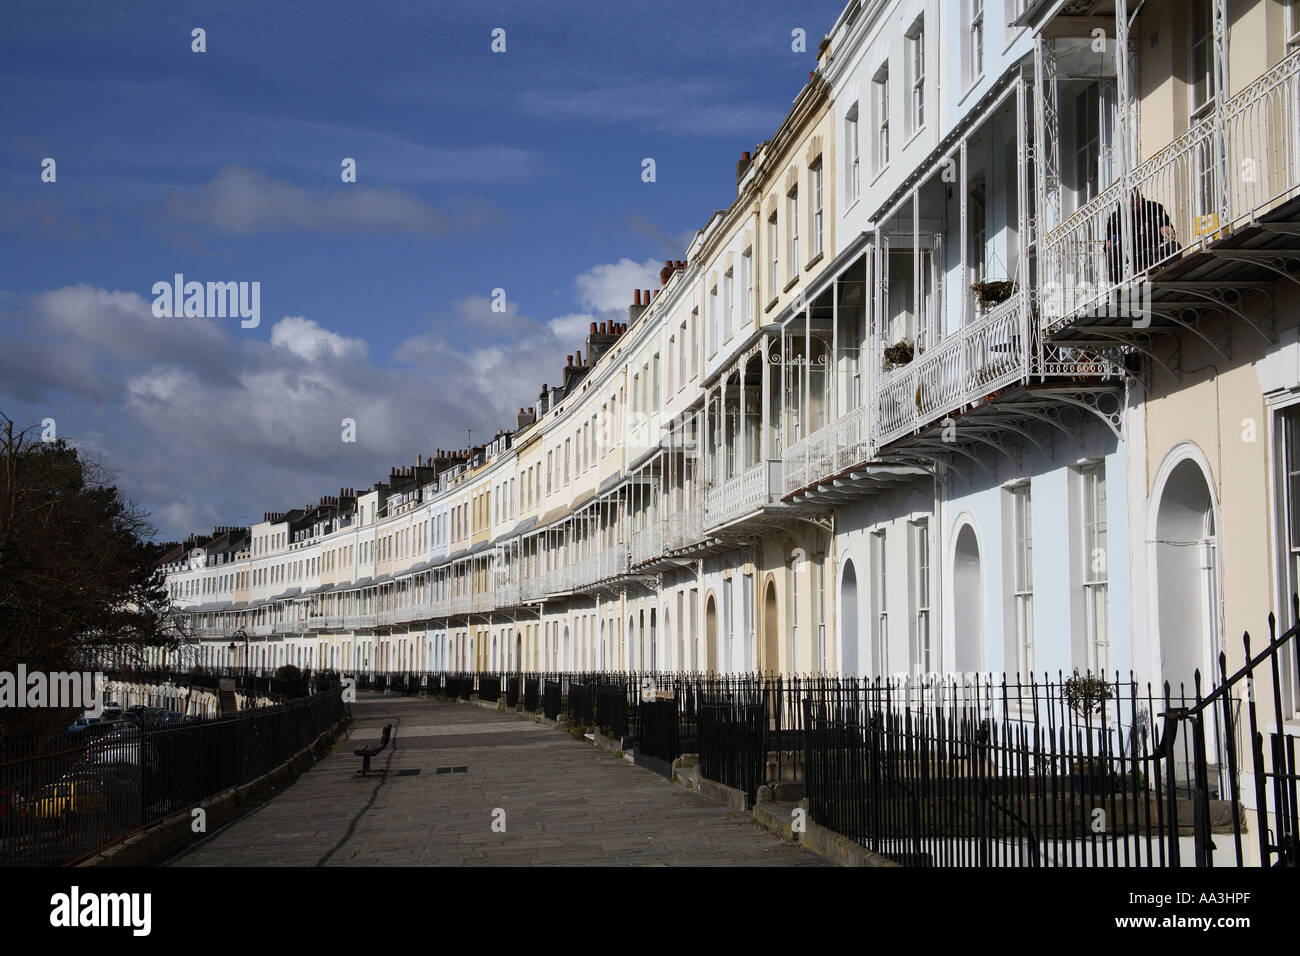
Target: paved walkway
565, 802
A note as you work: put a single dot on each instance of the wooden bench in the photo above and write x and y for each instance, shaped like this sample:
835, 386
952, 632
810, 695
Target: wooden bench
365, 753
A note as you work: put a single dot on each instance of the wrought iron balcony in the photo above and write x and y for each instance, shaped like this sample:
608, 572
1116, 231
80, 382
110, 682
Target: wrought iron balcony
983, 357
1207, 182
648, 543
756, 487
685, 527
613, 562
827, 451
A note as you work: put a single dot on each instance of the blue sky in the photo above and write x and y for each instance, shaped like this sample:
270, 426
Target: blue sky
475, 170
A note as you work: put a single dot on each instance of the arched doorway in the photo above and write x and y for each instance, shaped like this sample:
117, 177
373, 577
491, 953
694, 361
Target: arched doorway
771, 631
602, 645
564, 658
1187, 578
628, 663
518, 662
668, 643
967, 603
710, 636
654, 643
849, 619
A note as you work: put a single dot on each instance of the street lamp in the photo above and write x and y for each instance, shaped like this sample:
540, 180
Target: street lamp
242, 635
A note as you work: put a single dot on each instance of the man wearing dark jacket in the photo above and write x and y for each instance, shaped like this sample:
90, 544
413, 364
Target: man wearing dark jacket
1153, 236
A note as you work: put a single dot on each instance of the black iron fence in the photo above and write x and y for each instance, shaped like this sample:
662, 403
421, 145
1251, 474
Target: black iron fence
1070, 771
66, 797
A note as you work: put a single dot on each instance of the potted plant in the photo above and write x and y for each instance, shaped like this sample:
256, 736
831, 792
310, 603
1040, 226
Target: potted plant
989, 294
1086, 695
898, 354
920, 392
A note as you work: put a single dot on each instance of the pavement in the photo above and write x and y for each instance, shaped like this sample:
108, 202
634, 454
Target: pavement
529, 795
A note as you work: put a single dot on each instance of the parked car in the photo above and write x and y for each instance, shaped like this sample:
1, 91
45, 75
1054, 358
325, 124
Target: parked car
112, 710
84, 723
68, 797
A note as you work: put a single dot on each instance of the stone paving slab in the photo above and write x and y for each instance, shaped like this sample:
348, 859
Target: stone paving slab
565, 803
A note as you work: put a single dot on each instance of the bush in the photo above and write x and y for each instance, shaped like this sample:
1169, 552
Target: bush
288, 672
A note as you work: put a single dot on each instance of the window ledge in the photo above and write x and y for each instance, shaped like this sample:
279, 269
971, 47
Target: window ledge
794, 280
772, 304
814, 260
971, 87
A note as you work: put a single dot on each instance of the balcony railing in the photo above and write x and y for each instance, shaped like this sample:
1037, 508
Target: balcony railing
333, 622
648, 543
983, 357
686, 527
1191, 193
755, 487
482, 601
827, 451
508, 595
460, 604
353, 621
534, 588
586, 571
613, 562
316, 622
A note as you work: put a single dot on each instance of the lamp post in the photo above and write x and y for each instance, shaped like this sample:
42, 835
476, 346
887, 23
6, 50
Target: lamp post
242, 635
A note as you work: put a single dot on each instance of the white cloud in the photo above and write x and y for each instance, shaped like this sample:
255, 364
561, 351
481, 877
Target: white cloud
243, 201
310, 341
206, 424
608, 288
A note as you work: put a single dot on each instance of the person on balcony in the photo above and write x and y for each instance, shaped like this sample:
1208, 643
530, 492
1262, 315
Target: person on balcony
1153, 236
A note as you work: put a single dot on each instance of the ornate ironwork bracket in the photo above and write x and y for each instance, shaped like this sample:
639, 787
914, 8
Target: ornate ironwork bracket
1091, 400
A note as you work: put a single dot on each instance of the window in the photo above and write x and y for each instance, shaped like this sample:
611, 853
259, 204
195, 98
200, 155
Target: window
1096, 620
776, 256
815, 174
681, 356
713, 321
1289, 481
793, 207
550, 468
922, 651
1292, 25
852, 179
695, 342
880, 616
978, 231
881, 86
729, 302
1200, 78
975, 65
916, 75
747, 287
1022, 578
672, 369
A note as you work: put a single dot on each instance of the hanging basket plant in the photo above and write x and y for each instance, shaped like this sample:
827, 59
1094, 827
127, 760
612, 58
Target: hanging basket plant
989, 294
898, 354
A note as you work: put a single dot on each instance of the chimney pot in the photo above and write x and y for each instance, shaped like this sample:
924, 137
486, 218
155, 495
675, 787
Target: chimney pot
636, 296
570, 359
593, 328
647, 296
